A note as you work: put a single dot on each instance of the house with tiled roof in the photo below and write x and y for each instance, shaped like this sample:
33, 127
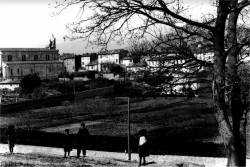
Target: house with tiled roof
92, 66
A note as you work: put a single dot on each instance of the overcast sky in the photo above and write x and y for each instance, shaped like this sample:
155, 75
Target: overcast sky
28, 23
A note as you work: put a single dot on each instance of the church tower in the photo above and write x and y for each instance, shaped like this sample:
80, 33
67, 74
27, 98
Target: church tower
52, 42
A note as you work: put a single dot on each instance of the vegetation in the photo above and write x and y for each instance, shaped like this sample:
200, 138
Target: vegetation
224, 30
117, 69
30, 87
30, 82
176, 126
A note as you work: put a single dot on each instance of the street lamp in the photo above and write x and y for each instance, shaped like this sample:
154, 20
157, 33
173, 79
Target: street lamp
129, 151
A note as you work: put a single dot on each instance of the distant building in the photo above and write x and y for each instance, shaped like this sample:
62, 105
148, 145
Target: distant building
136, 67
18, 62
85, 60
69, 62
9, 84
110, 57
127, 61
92, 66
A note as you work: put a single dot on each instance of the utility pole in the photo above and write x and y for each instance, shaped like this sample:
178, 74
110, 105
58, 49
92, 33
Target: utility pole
129, 152
128, 125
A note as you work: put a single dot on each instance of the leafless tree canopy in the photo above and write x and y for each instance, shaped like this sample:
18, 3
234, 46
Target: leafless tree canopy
164, 22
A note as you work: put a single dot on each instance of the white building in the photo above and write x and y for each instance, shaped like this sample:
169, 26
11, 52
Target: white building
133, 68
9, 84
85, 60
92, 66
127, 61
110, 57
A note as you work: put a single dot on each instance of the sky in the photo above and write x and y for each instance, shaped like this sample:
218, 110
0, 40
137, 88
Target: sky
29, 23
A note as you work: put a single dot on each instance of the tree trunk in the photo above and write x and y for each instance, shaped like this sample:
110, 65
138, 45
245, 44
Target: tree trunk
227, 117
248, 134
236, 151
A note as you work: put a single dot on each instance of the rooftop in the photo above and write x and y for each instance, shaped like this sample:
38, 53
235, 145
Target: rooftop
167, 57
92, 63
25, 49
115, 51
127, 58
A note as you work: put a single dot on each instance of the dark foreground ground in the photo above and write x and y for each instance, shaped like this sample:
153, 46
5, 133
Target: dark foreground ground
175, 126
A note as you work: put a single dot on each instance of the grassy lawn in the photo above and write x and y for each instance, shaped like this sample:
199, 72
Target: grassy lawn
175, 125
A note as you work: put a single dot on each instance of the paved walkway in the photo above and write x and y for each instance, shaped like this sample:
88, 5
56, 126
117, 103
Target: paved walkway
156, 160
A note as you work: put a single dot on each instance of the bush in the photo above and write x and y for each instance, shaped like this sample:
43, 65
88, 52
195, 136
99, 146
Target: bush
30, 82
78, 74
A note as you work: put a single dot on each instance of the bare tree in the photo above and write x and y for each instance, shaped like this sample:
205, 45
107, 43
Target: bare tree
113, 20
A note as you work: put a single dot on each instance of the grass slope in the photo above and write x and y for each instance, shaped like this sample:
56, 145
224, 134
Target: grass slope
176, 126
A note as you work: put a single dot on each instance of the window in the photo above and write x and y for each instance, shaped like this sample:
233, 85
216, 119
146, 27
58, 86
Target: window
49, 69
18, 71
35, 57
9, 57
23, 57
47, 57
31, 70
11, 72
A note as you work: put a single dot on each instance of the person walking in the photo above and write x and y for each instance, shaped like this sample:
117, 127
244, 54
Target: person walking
143, 147
11, 135
67, 143
82, 135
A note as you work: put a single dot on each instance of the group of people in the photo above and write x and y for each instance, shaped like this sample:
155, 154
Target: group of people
82, 135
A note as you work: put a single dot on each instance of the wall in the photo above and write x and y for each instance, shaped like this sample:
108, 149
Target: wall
102, 92
55, 100
9, 86
36, 104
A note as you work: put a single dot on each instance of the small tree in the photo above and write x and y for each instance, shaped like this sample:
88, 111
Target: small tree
30, 82
116, 69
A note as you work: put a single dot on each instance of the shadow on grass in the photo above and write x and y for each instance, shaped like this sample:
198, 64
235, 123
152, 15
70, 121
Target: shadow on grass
158, 144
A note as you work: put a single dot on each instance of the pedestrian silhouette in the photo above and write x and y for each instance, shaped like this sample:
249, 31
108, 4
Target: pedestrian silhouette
11, 135
143, 146
82, 135
67, 143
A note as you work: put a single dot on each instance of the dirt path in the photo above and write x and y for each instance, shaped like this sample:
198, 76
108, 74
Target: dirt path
29, 156
72, 127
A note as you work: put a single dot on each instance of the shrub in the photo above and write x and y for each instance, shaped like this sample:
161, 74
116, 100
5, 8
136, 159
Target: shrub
30, 82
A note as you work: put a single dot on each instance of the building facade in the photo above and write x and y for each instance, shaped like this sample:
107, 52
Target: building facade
85, 60
110, 57
127, 61
18, 62
69, 63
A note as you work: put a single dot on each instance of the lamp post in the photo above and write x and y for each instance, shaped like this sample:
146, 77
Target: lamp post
129, 152
128, 125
